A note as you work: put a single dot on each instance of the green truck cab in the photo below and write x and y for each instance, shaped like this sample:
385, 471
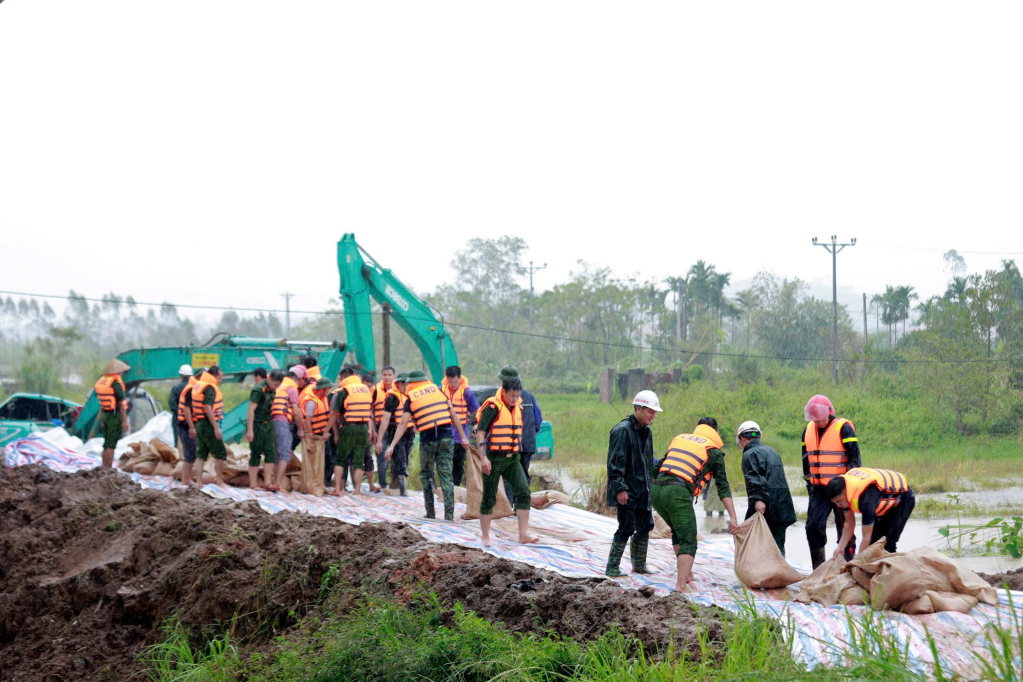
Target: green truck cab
23, 414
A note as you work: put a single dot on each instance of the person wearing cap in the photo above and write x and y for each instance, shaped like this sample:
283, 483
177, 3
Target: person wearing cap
314, 407
830, 449
369, 459
207, 413
390, 415
630, 461
259, 431
113, 415
379, 392
767, 489
286, 418
186, 427
456, 388
692, 459
531, 421
351, 420
429, 409
174, 397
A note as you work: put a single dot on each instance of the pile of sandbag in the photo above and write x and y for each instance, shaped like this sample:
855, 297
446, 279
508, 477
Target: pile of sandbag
759, 564
154, 458
919, 581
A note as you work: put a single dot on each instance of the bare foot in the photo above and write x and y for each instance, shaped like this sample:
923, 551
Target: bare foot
335, 493
486, 540
528, 540
220, 483
374, 488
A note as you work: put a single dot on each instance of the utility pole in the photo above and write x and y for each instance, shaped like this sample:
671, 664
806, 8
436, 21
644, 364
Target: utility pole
864, 322
833, 248
287, 313
531, 270
386, 329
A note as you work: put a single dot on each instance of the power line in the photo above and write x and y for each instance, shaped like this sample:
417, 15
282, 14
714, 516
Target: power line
547, 337
934, 250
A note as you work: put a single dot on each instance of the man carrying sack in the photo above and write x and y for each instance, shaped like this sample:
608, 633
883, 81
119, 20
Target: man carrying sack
767, 488
316, 413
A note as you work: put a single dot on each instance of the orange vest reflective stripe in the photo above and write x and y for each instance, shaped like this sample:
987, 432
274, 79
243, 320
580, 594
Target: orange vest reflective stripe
688, 454
319, 419
890, 483
457, 398
379, 396
205, 381
185, 392
281, 406
105, 391
827, 458
505, 433
396, 419
359, 401
428, 406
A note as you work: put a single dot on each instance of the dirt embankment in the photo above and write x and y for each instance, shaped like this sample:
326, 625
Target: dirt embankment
1014, 579
91, 565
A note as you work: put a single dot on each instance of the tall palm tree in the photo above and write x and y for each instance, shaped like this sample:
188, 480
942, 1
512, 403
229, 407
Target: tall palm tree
903, 296
701, 276
679, 287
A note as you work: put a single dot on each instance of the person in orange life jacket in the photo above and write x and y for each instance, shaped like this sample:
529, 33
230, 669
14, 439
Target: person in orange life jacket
882, 497
433, 415
312, 368
286, 417
259, 431
314, 407
692, 459
369, 459
830, 448
456, 388
385, 435
113, 417
380, 391
531, 421
208, 411
351, 422
499, 435
186, 426
185, 375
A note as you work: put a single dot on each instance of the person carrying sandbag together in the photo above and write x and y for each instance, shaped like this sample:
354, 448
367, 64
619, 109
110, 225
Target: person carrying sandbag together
207, 413
883, 499
767, 489
499, 435
830, 448
692, 459
113, 406
259, 432
630, 462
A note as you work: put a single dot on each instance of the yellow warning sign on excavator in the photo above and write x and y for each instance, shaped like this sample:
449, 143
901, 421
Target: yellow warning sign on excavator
205, 360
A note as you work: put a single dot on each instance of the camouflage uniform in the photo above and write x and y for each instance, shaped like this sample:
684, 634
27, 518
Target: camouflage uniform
442, 453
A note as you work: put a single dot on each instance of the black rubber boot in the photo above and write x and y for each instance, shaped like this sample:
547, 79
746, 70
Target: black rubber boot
817, 557
401, 486
637, 552
428, 501
614, 560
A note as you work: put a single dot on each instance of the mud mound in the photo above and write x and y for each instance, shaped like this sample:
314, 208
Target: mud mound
91, 566
1014, 579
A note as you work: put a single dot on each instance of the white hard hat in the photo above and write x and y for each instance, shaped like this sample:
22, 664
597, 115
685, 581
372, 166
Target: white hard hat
747, 427
185, 371
648, 399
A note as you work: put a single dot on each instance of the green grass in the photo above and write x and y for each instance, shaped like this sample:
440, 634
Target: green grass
896, 431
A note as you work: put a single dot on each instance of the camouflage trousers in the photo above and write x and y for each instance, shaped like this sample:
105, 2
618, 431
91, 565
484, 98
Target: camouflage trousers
439, 453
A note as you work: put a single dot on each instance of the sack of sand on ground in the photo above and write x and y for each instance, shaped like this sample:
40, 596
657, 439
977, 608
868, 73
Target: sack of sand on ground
312, 467
759, 563
154, 458
474, 490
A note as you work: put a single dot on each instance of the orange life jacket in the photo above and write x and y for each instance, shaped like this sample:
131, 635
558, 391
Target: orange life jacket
827, 457
281, 406
457, 398
688, 454
890, 483
105, 391
359, 401
319, 418
505, 434
185, 392
428, 405
205, 381
314, 374
379, 396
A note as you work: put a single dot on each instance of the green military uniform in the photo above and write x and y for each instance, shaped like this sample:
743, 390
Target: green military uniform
508, 465
208, 442
110, 423
352, 439
262, 431
672, 497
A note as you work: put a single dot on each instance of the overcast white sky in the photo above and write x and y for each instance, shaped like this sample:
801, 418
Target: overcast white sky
642, 136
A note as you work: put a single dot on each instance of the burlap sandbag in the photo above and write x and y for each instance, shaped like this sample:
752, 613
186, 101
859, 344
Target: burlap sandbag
312, 466
163, 469
546, 498
903, 577
474, 490
165, 452
146, 468
179, 468
759, 563
661, 528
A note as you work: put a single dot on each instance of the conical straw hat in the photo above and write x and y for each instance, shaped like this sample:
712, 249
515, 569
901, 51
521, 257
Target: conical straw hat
115, 366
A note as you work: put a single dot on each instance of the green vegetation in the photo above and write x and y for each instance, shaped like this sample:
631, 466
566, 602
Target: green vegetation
383, 641
997, 536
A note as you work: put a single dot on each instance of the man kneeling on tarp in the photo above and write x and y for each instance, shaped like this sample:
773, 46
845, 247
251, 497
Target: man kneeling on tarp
883, 498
